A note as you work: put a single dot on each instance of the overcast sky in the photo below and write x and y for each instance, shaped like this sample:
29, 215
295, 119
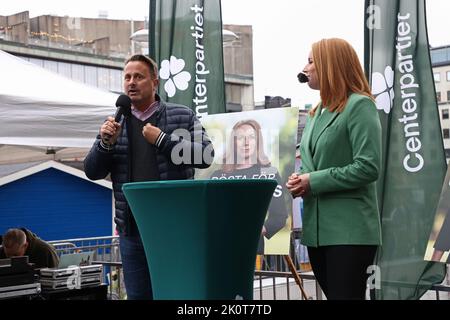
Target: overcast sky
283, 31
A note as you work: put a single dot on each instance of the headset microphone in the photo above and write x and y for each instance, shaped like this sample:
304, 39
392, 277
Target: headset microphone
302, 78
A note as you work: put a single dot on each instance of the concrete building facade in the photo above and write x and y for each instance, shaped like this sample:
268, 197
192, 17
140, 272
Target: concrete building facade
238, 66
93, 51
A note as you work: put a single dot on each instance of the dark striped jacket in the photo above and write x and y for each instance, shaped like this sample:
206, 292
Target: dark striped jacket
169, 117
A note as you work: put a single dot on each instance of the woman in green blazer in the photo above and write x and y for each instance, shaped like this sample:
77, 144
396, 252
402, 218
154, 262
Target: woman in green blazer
340, 151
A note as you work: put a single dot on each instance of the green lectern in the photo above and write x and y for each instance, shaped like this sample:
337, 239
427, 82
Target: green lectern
200, 236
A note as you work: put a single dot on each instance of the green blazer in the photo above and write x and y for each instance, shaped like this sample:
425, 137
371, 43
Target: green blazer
342, 153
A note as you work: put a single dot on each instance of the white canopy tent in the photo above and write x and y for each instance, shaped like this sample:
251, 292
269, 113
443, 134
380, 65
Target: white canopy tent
43, 109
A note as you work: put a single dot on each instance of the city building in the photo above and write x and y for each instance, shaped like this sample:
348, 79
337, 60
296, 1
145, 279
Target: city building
274, 102
238, 67
93, 51
440, 58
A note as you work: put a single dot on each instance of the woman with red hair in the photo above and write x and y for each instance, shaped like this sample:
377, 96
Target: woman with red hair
341, 159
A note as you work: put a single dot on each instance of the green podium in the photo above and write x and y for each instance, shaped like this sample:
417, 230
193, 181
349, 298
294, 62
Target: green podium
200, 236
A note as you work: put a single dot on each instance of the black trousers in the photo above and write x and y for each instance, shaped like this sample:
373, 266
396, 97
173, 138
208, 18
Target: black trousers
342, 270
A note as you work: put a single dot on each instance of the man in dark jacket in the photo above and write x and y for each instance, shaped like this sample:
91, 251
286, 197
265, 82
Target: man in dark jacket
23, 242
158, 141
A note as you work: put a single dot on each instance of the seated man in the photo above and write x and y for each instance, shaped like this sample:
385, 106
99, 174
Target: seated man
22, 242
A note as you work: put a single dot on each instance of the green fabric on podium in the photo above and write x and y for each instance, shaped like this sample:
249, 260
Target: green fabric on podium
200, 236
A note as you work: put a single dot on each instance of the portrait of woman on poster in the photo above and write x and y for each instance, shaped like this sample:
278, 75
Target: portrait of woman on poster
245, 158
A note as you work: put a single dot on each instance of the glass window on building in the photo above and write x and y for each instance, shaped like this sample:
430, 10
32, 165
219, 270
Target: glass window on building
437, 77
115, 80
438, 96
90, 76
446, 133
448, 96
439, 55
78, 73
65, 69
38, 62
445, 114
103, 78
51, 65
233, 93
448, 76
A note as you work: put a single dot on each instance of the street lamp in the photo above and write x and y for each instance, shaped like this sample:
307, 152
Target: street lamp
228, 36
139, 37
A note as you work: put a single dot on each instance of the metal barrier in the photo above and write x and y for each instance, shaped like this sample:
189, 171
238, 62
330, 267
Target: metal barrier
273, 282
106, 252
106, 248
441, 288
274, 279
277, 285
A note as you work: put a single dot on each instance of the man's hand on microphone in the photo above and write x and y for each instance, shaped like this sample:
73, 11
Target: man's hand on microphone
109, 131
151, 133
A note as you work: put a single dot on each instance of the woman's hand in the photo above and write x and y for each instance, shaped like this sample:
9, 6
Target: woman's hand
298, 185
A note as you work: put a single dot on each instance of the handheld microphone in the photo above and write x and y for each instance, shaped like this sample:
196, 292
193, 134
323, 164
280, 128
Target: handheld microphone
123, 105
302, 78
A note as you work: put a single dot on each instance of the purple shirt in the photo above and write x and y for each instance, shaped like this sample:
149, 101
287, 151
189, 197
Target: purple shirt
144, 115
